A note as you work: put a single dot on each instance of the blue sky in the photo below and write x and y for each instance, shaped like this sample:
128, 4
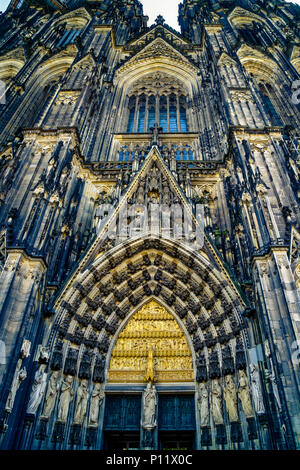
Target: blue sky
152, 8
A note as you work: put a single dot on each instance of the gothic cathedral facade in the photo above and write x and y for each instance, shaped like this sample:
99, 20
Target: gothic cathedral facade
149, 226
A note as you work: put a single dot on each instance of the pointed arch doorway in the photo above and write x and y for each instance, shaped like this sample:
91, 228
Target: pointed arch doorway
151, 348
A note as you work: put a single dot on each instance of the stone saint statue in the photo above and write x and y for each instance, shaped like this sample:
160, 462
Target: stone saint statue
271, 376
244, 394
37, 391
149, 406
256, 390
230, 396
81, 402
216, 402
96, 402
19, 376
203, 405
66, 396
52, 390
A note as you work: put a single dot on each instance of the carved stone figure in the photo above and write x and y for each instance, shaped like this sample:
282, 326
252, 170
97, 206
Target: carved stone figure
96, 402
81, 402
43, 354
19, 376
153, 184
140, 198
66, 396
244, 394
271, 376
37, 391
149, 407
230, 396
52, 390
25, 349
216, 402
203, 404
256, 390
166, 199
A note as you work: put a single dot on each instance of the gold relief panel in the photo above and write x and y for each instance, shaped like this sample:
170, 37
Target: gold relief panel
151, 332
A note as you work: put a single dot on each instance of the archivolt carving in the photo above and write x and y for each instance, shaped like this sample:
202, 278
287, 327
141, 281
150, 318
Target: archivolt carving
127, 277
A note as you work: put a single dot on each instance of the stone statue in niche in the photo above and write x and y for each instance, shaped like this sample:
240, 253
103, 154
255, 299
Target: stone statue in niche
96, 403
38, 390
140, 196
66, 396
153, 183
230, 396
256, 390
51, 394
81, 402
149, 407
166, 199
203, 405
216, 402
271, 376
25, 349
19, 376
244, 394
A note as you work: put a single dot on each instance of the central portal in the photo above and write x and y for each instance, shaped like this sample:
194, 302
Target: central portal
144, 408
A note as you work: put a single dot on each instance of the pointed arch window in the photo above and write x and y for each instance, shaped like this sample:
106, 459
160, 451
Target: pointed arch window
163, 102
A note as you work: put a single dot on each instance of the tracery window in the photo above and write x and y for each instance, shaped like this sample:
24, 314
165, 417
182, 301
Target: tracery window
157, 98
68, 37
269, 98
256, 34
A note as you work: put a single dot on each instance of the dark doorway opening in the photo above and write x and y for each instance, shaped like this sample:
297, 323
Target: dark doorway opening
176, 440
121, 441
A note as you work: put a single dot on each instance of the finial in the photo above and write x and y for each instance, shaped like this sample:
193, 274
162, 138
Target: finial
160, 20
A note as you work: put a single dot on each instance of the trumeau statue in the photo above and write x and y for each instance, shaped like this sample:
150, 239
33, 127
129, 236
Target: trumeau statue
96, 403
149, 407
203, 405
66, 396
256, 390
19, 376
216, 402
81, 402
51, 394
244, 394
230, 396
37, 391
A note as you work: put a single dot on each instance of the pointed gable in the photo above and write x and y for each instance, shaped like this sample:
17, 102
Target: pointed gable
153, 185
158, 52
